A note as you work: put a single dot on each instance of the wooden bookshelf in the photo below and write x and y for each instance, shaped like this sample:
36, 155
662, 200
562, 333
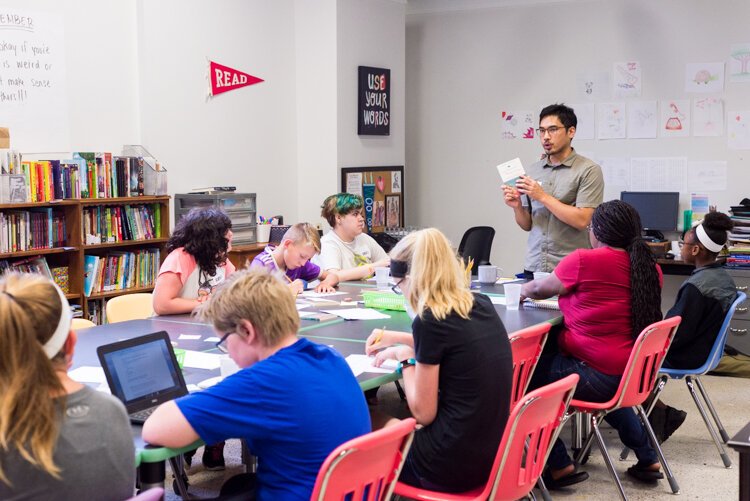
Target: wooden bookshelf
73, 252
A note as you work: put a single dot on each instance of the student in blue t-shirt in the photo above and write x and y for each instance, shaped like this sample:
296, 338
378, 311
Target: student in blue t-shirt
291, 432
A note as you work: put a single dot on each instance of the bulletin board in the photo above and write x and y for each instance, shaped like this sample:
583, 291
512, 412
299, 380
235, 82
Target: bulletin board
382, 189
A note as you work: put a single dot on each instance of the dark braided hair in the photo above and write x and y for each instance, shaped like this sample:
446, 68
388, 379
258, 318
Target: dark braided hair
202, 232
617, 224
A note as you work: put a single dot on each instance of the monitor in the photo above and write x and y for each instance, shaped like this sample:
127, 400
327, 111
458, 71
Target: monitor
658, 209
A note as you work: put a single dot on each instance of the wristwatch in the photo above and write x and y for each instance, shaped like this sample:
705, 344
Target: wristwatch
409, 362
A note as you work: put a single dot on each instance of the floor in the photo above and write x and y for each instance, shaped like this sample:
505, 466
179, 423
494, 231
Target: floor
692, 456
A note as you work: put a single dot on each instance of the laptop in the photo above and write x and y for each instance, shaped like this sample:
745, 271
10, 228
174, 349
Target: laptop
143, 373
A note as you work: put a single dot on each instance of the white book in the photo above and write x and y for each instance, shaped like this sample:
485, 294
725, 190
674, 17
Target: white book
510, 171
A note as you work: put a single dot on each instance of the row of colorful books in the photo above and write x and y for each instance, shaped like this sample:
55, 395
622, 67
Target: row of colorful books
39, 265
121, 270
103, 224
86, 175
31, 229
739, 256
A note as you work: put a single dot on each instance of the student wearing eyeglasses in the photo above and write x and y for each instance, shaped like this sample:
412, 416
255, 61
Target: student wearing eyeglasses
556, 198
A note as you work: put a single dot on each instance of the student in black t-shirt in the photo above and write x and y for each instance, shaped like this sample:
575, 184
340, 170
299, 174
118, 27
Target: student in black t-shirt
459, 386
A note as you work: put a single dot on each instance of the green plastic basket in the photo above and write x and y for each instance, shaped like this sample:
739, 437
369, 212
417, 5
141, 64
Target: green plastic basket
384, 300
179, 354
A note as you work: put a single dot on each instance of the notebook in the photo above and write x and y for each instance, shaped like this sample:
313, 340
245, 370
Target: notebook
143, 373
545, 304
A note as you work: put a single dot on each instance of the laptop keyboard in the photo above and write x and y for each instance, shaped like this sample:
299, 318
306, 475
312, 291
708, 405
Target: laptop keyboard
141, 416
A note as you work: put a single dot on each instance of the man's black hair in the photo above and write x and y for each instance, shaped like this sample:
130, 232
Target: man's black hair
566, 114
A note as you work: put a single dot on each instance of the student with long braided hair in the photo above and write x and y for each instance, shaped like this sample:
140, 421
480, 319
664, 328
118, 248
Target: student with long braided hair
608, 294
59, 439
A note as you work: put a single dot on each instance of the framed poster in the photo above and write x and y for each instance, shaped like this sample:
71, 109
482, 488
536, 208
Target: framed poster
382, 189
374, 91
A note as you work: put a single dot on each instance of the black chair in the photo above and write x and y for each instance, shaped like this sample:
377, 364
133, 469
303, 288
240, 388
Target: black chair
477, 244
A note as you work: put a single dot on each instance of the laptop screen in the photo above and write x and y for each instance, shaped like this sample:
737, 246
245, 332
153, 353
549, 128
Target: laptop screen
142, 372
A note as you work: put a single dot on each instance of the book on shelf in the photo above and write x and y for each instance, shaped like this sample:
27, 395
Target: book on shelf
120, 270
110, 224
60, 275
32, 229
213, 189
36, 264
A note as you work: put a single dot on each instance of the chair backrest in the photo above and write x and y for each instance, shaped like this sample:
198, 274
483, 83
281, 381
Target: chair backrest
365, 468
277, 233
153, 494
81, 323
477, 244
532, 427
717, 350
526, 346
130, 307
644, 363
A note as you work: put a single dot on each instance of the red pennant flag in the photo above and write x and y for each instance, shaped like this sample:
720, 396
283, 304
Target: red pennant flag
223, 78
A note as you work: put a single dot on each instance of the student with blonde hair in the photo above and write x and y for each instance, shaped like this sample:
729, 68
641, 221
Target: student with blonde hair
291, 259
59, 439
456, 365
347, 250
291, 432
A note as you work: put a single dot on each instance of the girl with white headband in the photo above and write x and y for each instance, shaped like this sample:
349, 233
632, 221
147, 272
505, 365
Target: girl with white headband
59, 439
702, 302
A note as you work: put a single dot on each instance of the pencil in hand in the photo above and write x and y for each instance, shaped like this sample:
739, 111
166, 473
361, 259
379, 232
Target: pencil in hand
379, 337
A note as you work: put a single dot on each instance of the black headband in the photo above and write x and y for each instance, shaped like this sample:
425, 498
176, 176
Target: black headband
399, 268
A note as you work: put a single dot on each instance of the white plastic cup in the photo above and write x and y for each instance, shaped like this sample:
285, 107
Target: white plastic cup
227, 366
381, 276
487, 273
539, 275
512, 295
262, 233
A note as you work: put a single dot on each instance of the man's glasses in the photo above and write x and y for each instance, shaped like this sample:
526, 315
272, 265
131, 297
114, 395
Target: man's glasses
221, 343
396, 287
552, 130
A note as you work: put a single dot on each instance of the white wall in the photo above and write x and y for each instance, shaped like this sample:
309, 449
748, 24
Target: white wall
465, 67
246, 137
101, 71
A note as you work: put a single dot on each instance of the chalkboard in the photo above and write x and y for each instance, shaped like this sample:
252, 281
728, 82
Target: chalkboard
382, 189
374, 116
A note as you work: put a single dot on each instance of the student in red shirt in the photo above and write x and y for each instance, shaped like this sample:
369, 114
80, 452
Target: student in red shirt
608, 295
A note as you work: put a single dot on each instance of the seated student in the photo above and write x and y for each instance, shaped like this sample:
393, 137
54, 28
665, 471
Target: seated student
459, 386
702, 301
291, 432
292, 258
346, 250
196, 263
59, 439
608, 295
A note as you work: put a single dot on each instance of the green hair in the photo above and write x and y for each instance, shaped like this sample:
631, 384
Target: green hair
340, 204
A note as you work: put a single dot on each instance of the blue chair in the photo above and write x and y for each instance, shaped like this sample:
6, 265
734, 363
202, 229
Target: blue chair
693, 376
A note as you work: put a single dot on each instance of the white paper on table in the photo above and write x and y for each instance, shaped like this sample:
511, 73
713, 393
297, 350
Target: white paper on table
104, 388
189, 337
498, 300
301, 306
358, 313
87, 374
212, 339
313, 294
363, 363
510, 171
501, 281
200, 360
707, 176
642, 119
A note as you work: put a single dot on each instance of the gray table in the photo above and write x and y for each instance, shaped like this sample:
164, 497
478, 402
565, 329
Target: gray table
346, 337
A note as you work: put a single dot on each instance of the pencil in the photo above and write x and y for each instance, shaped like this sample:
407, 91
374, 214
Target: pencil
379, 337
287, 278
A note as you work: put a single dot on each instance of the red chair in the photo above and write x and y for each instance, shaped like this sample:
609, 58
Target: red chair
636, 385
365, 468
526, 345
153, 494
532, 427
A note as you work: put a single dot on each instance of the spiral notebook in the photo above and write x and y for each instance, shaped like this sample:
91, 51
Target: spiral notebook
545, 304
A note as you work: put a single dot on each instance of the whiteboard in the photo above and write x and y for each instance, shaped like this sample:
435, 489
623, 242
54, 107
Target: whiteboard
33, 102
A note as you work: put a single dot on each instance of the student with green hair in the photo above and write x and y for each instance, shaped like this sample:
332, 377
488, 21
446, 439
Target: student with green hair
347, 250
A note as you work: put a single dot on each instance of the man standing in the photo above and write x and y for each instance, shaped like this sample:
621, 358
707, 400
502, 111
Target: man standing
556, 198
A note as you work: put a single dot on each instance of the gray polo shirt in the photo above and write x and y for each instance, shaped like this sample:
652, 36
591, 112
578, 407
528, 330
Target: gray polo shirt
577, 181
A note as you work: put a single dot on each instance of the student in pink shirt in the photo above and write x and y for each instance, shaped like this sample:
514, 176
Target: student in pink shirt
197, 261
608, 295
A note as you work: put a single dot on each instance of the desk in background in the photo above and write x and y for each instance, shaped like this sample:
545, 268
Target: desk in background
741, 443
240, 254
